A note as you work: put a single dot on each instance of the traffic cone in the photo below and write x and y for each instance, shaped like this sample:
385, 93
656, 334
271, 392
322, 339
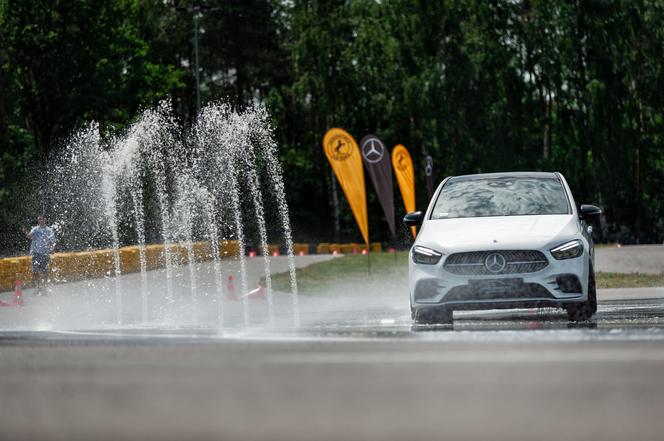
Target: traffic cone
258, 293
18, 294
230, 289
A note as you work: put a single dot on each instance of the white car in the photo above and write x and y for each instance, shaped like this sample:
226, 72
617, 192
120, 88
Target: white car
502, 240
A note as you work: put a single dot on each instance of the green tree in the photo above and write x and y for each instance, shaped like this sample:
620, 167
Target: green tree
63, 64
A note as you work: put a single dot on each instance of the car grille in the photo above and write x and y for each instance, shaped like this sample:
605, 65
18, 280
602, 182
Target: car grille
516, 262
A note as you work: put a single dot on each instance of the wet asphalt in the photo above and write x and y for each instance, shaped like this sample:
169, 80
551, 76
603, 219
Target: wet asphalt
355, 368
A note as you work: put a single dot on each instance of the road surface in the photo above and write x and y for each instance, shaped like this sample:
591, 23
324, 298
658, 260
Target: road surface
648, 259
354, 369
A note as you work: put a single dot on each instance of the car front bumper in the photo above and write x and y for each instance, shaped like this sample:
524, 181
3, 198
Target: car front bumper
559, 283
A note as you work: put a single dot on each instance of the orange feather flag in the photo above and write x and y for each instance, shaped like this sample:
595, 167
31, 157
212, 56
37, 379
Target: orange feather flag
346, 161
403, 169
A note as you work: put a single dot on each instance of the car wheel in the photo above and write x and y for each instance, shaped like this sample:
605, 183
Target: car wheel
433, 316
578, 312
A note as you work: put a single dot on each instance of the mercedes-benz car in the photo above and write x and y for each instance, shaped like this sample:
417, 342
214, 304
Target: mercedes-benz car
502, 240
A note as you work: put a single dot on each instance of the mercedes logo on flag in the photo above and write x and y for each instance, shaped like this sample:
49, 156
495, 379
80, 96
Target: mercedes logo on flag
373, 150
495, 263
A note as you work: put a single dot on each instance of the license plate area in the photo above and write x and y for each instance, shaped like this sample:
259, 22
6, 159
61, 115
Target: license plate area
496, 285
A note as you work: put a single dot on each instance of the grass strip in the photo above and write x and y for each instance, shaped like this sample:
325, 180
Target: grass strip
628, 280
323, 276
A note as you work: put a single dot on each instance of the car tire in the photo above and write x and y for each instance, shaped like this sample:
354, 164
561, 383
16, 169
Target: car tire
433, 316
580, 312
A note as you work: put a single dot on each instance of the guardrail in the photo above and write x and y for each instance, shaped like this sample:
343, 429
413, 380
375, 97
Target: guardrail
94, 264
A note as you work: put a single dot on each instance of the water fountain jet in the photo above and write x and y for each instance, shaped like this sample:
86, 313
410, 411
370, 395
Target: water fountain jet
198, 183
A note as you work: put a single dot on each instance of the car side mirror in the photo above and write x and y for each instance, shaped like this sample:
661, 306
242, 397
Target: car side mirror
414, 219
589, 212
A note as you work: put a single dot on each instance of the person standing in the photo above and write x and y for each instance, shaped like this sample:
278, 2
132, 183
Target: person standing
43, 242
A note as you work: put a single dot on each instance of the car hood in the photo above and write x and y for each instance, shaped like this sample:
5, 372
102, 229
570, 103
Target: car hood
497, 232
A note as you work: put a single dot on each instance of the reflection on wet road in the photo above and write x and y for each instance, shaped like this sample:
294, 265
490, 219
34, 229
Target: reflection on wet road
356, 369
616, 320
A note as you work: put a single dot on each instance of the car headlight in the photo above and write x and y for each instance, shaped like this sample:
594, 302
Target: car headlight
568, 250
426, 256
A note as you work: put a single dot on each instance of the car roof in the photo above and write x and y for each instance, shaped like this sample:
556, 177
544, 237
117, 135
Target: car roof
522, 174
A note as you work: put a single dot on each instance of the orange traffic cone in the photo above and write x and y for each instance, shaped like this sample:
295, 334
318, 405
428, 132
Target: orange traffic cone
18, 293
18, 296
230, 289
258, 293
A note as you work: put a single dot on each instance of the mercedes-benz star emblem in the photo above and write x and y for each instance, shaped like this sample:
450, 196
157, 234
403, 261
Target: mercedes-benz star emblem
373, 150
495, 263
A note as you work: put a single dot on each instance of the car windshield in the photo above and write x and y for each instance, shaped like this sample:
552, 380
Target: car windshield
500, 196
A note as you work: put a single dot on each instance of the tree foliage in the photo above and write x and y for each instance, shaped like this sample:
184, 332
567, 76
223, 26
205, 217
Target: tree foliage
574, 86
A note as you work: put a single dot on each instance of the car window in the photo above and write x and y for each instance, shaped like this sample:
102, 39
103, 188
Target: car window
500, 196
